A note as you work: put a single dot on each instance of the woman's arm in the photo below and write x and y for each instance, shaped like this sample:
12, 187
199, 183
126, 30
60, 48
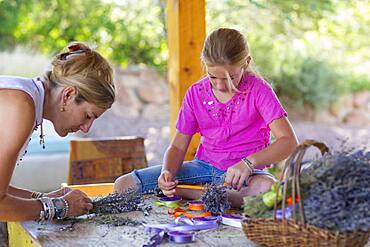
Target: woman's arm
18, 192
285, 143
17, 112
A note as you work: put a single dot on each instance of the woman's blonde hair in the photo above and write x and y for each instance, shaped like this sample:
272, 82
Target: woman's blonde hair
226, 46
86, 70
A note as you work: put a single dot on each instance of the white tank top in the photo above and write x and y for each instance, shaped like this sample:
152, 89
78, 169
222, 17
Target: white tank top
34, 88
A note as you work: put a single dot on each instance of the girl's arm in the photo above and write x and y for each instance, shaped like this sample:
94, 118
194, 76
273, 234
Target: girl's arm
173, 158
285, 143
175, 153
17, 113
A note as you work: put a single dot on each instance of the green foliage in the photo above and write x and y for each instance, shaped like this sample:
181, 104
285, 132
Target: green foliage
308, 82
127, 33
312, 50
358, 82
11, 11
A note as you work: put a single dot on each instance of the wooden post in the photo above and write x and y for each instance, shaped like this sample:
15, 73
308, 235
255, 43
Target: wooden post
186, 34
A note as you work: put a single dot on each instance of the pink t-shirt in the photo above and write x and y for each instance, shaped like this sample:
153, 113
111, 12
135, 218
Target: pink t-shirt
233, 130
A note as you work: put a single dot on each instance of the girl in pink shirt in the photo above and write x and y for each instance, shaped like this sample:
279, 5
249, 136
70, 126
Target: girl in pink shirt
234, 110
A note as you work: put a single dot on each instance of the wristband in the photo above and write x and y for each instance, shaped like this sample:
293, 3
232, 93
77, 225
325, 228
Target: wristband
249, 164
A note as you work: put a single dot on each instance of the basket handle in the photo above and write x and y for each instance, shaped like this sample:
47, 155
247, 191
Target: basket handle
292, 169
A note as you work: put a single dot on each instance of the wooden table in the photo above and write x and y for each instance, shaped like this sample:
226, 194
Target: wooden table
89, 233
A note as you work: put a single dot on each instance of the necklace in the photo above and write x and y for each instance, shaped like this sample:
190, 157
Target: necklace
42, 140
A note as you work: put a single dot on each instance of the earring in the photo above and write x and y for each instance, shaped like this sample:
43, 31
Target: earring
62, 107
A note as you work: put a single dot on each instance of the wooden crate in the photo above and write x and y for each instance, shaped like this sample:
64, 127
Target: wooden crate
104, 160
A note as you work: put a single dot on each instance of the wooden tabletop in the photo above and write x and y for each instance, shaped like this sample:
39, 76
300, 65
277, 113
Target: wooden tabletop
90, 233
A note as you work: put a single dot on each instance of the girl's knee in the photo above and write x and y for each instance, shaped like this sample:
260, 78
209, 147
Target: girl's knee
124, 182
260, 183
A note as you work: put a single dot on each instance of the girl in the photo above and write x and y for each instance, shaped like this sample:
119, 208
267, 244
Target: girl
234, 110
76, 91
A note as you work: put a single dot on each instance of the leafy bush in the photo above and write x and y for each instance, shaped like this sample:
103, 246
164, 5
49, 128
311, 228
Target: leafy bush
358, 82
309, 82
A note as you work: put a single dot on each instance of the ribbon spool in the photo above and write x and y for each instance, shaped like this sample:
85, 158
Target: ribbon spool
172, 211
171, 202
187, 215
231, 220
196, 205
204, 214
170, 199
207, 219
181, 237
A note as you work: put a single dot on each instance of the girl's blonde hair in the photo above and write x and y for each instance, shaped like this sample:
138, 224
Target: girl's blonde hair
86, 70
226, 46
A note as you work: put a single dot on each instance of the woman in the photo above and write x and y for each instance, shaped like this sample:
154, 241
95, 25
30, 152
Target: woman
77, 90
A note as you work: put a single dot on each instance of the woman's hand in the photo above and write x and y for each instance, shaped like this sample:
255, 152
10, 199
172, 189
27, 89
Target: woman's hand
166, 183
79, 203
237, 174
58, 193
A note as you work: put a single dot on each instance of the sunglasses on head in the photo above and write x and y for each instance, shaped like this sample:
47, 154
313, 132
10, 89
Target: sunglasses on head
73, 49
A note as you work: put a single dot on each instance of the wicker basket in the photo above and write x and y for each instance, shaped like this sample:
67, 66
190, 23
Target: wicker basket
289, 232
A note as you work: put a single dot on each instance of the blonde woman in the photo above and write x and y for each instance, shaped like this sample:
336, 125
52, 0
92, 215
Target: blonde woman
234, 109
77, 90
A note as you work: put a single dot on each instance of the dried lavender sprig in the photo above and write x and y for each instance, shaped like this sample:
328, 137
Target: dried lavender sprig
130, 200
114, 220
215, 199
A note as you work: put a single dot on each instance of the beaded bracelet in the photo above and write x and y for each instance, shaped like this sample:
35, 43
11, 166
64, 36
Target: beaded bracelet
61, 208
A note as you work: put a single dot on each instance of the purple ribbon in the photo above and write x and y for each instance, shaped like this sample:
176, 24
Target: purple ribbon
182, 225
195, 202
288, 212
181, 237
231, 220
207, 218
170, 199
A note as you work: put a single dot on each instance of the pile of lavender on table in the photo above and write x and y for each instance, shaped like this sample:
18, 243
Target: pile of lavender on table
116, 203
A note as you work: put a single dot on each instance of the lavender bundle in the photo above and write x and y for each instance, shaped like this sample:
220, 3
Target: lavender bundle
337, 191
215, 199
116, 203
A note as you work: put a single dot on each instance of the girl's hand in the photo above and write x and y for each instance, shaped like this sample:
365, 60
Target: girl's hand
79, 203
237, 174
166, 183
58, 193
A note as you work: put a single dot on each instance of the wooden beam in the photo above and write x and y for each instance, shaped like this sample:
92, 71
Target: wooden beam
186, 34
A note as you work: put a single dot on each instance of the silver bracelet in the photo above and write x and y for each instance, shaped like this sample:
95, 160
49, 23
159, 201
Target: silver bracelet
48, 209
249, 164
37, 195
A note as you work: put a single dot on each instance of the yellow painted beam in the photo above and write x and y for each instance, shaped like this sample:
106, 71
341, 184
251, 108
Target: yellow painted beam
186, 34
18, 237
92, 190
